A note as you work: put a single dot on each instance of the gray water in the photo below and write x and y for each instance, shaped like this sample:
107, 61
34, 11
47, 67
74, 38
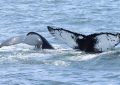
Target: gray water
23, 65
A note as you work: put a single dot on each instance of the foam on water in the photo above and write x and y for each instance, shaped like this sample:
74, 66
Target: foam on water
27, 57
26, 54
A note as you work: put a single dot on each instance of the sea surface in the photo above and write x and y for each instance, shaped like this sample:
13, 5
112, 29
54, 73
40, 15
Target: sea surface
24, 65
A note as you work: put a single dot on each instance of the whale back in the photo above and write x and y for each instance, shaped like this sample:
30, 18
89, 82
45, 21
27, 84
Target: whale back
32, 38
12, 41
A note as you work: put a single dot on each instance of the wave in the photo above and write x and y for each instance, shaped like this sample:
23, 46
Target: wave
22, 54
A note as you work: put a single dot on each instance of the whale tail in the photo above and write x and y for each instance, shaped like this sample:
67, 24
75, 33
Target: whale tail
70, 38
39, 41
32, 38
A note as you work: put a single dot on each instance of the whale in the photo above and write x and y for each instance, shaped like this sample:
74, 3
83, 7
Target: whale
92, 43
31, 38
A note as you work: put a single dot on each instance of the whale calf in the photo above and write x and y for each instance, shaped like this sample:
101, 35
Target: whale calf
93, 43
32, 38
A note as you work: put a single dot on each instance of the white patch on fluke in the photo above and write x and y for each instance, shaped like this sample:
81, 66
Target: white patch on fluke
106, 42
68, 37
80, 37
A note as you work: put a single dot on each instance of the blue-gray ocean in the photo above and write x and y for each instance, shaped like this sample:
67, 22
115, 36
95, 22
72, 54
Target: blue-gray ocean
23, 65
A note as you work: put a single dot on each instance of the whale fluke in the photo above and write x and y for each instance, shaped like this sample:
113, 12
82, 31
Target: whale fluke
93, 43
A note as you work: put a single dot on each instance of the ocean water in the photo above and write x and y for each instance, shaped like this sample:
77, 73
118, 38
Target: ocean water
23, 65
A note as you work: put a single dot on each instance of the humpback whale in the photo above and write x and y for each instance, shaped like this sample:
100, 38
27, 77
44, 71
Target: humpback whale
32, 38
93, 43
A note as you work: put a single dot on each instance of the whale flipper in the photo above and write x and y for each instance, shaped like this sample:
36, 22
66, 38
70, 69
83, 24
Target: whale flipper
66, 36
12, 41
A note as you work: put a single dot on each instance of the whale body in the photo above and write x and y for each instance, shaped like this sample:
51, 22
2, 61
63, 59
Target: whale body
32, 38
